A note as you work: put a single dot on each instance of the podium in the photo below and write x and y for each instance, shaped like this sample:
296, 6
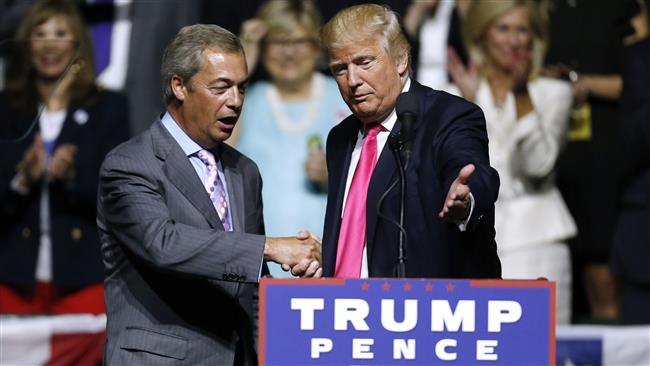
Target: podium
406, 322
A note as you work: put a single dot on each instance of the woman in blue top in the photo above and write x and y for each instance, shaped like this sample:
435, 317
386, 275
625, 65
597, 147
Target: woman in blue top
286, 120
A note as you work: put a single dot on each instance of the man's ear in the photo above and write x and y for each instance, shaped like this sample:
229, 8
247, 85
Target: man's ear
403, 62
178, 88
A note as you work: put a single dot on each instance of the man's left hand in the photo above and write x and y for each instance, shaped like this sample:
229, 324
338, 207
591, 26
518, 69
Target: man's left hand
457, 203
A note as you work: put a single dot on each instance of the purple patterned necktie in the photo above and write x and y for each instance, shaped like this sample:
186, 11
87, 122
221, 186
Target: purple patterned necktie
214, 187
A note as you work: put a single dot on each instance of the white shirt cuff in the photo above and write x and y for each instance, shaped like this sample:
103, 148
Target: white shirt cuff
462, 225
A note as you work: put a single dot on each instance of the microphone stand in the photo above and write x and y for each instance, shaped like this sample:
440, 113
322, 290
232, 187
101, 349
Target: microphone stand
398, 148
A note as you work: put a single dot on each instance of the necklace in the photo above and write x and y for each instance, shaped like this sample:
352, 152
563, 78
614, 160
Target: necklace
279, 114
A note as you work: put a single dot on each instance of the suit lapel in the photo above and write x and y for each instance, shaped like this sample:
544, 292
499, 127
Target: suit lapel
235, 183
180, 172
339, 156
346, 158
385, 173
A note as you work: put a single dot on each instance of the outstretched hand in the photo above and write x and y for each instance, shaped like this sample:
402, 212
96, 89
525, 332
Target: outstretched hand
457, 203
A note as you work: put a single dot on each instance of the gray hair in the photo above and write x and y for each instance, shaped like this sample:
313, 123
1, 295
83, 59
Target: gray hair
182, 56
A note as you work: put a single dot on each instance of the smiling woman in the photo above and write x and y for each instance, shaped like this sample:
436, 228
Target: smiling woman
527, 118
52, 46
50, 40
49, 249
285, 120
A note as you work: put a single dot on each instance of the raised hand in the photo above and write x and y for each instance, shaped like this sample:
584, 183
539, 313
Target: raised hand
465, 78
316, 167
416, 12
457, 203
520, 69
252, 32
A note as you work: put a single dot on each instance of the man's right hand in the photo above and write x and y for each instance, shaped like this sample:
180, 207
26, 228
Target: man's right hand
302, 254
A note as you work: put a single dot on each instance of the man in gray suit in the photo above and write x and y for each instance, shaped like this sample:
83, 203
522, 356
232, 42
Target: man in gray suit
180, 220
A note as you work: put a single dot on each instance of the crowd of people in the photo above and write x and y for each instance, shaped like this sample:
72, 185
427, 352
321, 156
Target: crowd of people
561, 136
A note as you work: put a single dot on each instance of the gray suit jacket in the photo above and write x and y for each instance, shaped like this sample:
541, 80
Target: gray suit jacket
178, 288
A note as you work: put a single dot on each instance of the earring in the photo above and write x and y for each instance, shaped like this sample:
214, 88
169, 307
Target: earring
76, 66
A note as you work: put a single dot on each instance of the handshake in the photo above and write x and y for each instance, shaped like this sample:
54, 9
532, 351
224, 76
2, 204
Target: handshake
299, 254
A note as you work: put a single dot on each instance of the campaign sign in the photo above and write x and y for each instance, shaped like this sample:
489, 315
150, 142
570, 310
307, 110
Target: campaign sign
406, 322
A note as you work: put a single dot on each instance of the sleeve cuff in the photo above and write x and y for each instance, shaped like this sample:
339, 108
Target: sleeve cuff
462, 225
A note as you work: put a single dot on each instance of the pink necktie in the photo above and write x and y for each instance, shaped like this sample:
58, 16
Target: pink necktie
353, 225
214, 187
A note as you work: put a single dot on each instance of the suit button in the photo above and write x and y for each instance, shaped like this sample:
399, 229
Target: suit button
480, 218
26, 233
76, 234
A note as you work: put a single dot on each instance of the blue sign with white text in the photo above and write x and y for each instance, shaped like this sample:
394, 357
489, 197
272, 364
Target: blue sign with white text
406, 321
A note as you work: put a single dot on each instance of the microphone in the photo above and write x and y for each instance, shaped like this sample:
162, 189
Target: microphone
407, 108
395, 142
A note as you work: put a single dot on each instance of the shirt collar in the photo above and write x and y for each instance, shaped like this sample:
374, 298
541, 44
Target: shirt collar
187, 144
389, 122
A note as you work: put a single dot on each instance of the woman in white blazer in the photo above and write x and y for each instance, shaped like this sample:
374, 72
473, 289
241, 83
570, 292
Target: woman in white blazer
527, 118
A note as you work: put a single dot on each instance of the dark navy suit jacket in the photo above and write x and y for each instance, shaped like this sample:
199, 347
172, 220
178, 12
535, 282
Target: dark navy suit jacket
448, 134
95, 128
631, 251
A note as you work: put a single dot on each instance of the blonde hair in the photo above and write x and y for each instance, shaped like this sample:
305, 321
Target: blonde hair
357, 23
21, 84
482, 14
284, 16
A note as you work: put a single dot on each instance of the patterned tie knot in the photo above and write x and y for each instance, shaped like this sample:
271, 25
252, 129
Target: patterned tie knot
372, 130
207, 158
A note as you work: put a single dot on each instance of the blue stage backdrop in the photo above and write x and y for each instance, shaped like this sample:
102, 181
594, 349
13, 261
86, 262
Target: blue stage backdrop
406, 322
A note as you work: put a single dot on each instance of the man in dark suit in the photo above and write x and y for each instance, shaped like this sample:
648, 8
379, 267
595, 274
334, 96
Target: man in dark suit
631, 249
180, 220
450, 186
